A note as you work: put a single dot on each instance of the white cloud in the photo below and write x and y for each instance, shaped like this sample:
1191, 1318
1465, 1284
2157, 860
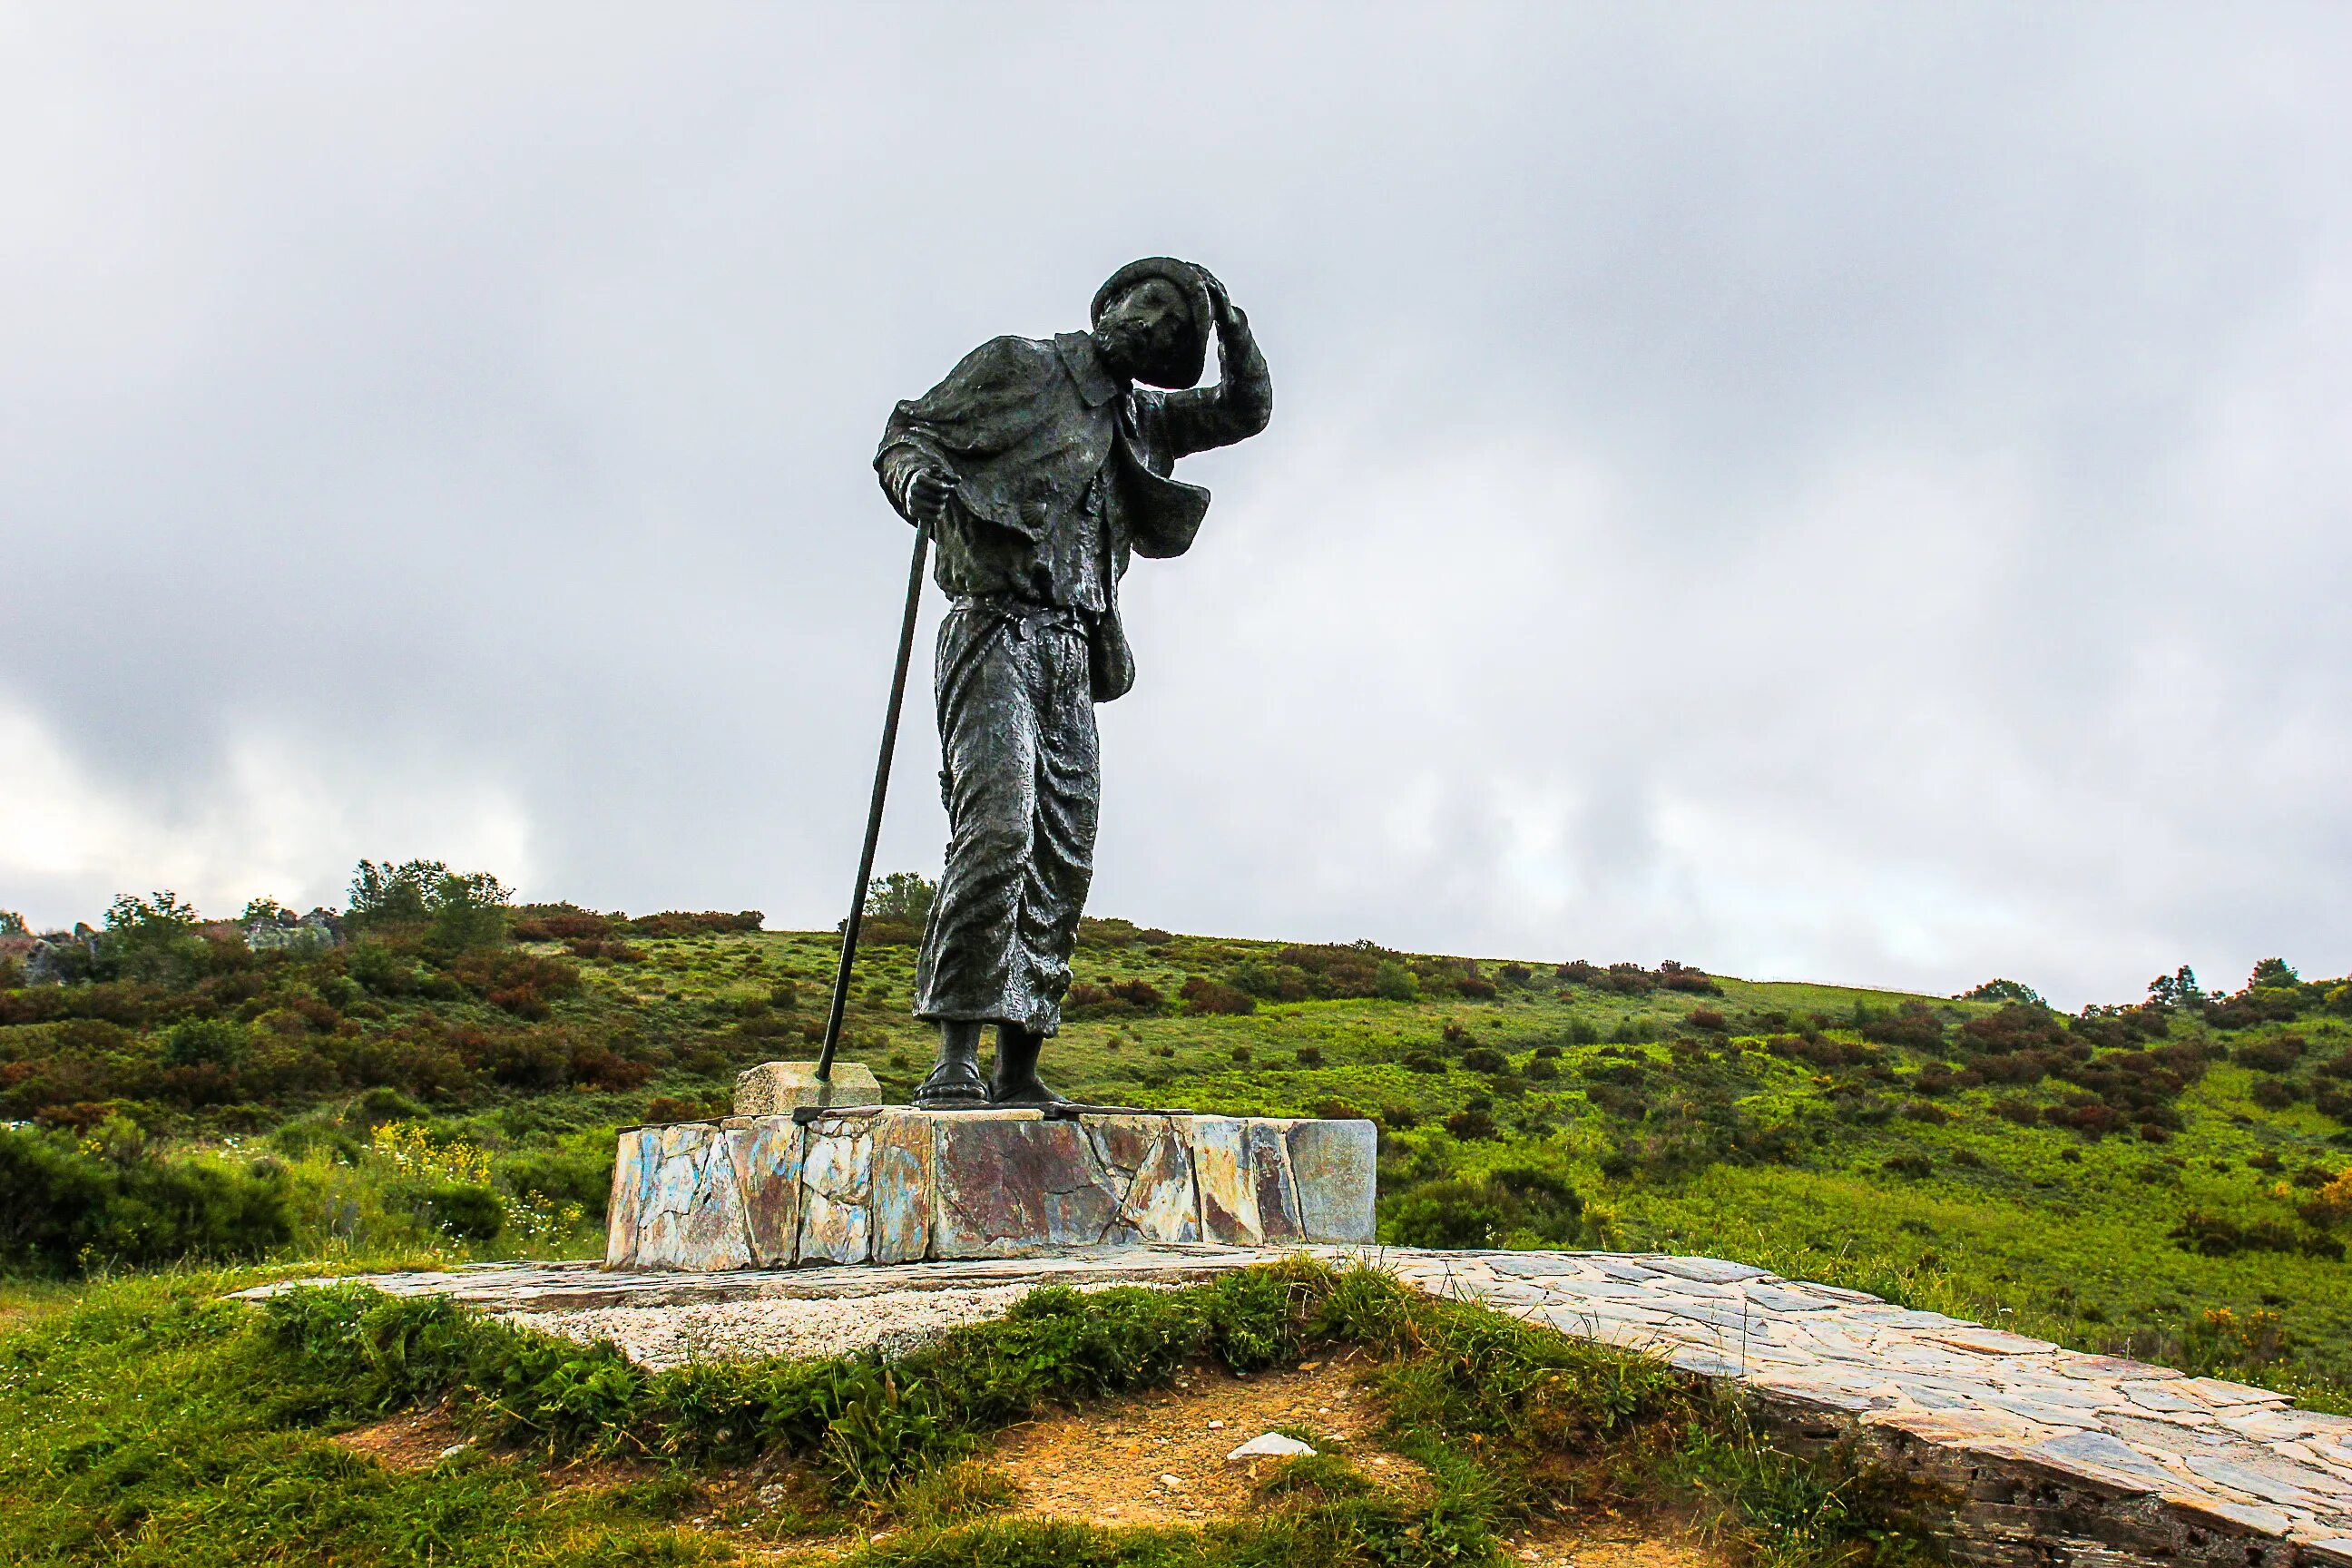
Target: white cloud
1849, 493
268, 820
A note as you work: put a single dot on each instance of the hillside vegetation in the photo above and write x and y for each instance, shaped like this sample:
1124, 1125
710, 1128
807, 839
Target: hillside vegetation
444, 1074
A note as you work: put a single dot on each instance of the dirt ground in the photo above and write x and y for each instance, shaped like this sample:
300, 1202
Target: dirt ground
1155, 1459
1160, 1459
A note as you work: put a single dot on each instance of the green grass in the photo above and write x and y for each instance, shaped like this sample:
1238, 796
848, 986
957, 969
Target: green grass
1860, 1173
156, 1423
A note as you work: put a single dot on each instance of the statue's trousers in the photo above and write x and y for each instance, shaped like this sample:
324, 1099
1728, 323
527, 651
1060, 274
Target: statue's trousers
1023, 783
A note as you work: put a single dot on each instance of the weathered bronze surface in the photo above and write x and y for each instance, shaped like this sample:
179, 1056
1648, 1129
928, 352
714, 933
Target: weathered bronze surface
1041, 467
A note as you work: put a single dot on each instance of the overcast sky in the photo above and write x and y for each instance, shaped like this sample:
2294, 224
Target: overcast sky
1850, 493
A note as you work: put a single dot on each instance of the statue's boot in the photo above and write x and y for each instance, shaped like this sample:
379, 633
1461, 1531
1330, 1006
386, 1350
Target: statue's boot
955, 1083
1015, 1080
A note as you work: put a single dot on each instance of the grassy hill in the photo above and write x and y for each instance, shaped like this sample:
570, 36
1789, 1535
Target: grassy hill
2167, 1178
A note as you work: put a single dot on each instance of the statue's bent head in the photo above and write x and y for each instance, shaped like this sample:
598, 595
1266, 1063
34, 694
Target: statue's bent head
1151, 321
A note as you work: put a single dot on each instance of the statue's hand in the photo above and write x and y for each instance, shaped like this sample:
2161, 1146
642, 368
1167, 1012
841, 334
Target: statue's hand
1228, 315
928, 495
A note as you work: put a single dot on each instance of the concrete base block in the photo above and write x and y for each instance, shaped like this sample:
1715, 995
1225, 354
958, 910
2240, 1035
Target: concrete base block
779, 1089
898, 1187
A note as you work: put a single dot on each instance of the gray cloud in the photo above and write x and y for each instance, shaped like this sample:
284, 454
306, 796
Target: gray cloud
1819, 491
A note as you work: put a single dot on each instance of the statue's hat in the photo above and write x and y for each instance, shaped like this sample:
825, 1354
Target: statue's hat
1183, 366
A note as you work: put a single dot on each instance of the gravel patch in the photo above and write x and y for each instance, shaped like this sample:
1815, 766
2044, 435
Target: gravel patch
894, 1321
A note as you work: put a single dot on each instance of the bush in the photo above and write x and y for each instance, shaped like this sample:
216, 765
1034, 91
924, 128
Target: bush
1202, 994
681, 922
63, 1207
561, 922
1485, 1059
1513, 1203
462, 1211
204, 1042
1392, 981
1912, 1024
2216, 1236
2278, 1054
1472, 1126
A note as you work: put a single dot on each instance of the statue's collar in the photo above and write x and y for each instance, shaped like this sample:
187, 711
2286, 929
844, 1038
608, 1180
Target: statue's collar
1097, 385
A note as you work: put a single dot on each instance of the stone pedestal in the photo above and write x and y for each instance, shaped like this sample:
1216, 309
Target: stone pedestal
897, 1186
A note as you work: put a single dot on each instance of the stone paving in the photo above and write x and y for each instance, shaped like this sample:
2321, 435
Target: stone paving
2049, 1457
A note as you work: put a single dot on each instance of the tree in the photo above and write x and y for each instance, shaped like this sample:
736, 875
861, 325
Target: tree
11, 924
901, 896
460, 908
2005, 991
153, 938
394, 895
2179, 989
2274, 973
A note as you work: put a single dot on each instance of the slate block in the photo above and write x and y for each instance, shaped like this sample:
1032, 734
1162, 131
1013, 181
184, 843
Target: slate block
1006, 1183
1228, 1184
1333, 1166
1149, 1163
766, 1152
779, 1089
692, 1212
837, 1191
902, 1186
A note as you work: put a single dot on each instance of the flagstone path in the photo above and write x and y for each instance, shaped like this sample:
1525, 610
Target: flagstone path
2051, 1457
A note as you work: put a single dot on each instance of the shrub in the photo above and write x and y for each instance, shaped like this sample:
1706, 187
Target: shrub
1707, 1018
1674, 976
1392, 981
1912, 1024
682, 922
560, 923
1310, 1055
2216, 1236
1514, 1202
1204, 995
462, 1211
63, 1207
1137, 994
1472, 1126
204, 1042
2278, 1054
1486, 1059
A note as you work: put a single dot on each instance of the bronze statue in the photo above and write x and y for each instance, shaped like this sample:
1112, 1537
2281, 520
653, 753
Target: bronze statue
1041, 468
